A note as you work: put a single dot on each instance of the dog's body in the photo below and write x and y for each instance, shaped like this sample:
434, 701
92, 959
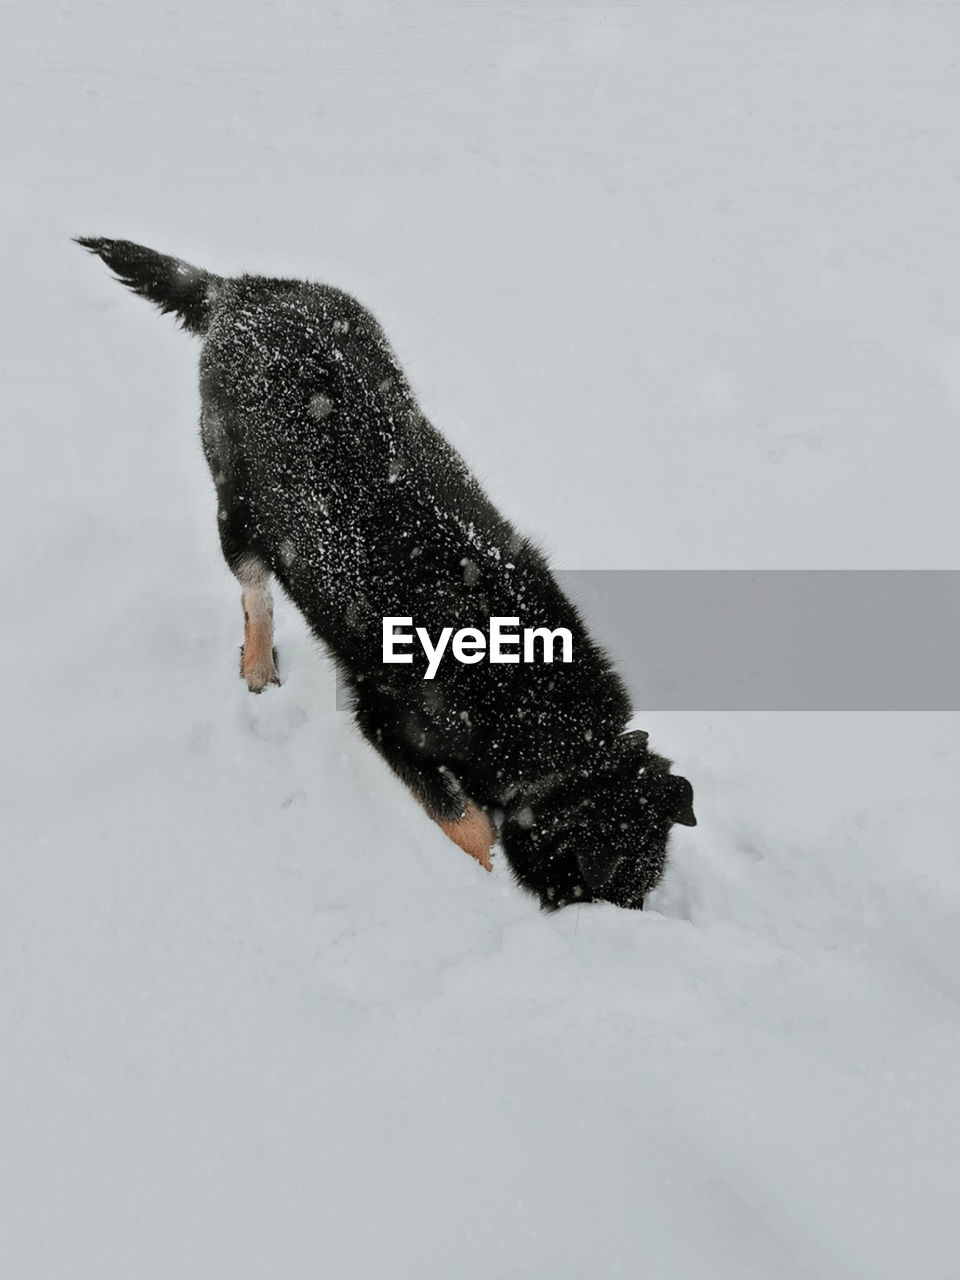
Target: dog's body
329, 477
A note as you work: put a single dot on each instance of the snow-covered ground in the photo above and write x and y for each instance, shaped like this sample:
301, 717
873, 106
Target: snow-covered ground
682, 281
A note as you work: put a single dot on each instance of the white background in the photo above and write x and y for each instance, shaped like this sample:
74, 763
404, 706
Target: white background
682, 282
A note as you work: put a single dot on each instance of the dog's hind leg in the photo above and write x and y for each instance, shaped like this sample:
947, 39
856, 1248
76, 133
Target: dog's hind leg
257, 665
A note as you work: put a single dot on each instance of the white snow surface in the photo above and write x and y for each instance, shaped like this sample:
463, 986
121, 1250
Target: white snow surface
681, 282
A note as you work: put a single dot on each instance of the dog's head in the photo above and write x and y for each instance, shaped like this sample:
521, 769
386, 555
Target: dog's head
603, 837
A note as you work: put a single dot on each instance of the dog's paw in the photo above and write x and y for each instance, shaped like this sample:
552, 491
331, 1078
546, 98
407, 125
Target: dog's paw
259, 674
473, 832
258, 678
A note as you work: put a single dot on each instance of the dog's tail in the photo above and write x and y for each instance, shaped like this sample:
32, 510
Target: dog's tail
173, 285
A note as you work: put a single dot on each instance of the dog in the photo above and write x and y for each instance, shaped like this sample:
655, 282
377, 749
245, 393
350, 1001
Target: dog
330, 479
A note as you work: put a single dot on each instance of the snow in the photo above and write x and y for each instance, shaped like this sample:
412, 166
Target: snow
678, 280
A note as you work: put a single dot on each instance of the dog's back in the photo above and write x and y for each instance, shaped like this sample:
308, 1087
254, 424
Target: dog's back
353, 498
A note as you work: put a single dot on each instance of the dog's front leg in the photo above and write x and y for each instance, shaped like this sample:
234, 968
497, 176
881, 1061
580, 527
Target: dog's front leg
390, 730
473, 832
470, 828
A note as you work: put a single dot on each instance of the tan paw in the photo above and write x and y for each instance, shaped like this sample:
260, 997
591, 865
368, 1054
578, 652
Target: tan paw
473, 833
259, 674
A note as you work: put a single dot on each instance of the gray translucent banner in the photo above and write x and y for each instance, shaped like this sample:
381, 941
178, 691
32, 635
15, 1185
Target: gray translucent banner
779, 640
776, 640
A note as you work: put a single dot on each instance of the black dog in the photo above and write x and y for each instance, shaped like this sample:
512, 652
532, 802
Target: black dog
329, 477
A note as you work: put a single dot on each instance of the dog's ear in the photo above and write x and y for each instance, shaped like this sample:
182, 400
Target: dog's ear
631, 746
679, 795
